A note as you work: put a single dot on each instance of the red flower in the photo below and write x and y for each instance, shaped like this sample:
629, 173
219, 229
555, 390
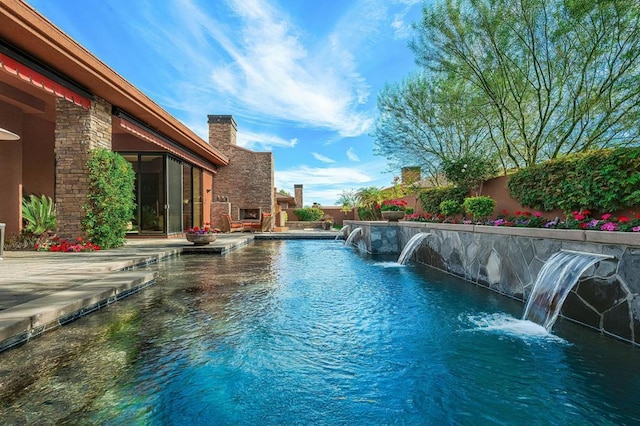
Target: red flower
623, 219
578, 216
586, 212
504, 212
518, 212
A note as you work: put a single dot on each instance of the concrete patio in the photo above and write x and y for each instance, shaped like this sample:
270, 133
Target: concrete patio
40, 291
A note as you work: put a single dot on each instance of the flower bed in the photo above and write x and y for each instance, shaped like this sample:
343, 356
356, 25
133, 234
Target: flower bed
56, 244
582, 220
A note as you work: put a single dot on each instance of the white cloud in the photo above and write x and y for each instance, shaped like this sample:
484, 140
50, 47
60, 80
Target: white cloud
258, 64
325, 184
261, 141
322, 158
320, 176
351, 154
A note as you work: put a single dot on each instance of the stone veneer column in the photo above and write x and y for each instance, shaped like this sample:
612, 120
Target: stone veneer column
297, 194
77, 132
222, 130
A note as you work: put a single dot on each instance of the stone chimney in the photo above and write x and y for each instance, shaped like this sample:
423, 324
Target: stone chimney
297, 194
222, 130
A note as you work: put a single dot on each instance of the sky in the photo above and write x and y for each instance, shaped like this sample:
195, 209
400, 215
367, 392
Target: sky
300, 77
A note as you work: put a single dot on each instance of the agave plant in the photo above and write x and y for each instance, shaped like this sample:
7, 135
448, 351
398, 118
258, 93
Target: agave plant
39, 214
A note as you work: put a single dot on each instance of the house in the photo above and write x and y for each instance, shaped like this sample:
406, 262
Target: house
63, 102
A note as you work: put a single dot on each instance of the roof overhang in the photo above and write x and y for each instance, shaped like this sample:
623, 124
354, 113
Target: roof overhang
23, 27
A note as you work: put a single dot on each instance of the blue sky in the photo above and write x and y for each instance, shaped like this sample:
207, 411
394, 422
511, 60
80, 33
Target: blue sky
300, 77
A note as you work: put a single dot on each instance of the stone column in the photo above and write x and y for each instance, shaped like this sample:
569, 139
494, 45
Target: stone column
297, 194
222, 130
77, 132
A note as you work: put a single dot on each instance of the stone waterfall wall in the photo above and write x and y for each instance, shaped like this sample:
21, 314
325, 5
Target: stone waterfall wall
508, 260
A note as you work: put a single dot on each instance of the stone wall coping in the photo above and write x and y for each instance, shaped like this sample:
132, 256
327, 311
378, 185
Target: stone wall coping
601, 237
604, 237
556, 234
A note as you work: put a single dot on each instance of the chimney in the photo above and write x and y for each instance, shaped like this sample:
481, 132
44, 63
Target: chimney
410, 175
222, 130
297, 194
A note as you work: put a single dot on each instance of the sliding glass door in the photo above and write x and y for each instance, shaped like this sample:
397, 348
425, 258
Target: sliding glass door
168, 194
174, 195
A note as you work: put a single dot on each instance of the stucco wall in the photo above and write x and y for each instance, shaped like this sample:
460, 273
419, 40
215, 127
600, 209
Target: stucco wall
11, 170
508, 260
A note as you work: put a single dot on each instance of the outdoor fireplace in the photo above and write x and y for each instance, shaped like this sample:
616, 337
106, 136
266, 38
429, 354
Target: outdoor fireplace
250, 214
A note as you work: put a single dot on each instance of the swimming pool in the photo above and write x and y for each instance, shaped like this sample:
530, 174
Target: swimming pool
312, 332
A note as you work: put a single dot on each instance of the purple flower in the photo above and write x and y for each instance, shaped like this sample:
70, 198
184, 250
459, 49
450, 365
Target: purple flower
636, 229
609, 226
593, 223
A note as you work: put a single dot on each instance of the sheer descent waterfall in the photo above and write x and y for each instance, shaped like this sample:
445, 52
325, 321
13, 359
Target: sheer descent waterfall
411, 247
554, 282
342, 231
352, 236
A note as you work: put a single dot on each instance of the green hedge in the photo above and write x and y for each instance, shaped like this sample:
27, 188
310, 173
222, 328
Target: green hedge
309, 214
479, 207
605, 180
111, 196
432, 197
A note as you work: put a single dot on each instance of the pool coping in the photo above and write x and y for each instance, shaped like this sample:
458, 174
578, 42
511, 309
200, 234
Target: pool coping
81, 283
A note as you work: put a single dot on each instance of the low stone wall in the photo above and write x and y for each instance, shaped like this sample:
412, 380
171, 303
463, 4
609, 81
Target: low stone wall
508, 260
299, 224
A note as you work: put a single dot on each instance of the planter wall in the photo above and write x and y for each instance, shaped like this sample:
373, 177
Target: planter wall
508, 260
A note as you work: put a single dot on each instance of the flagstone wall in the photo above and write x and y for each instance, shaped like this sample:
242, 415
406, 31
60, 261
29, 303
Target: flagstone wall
508, 260
77, 132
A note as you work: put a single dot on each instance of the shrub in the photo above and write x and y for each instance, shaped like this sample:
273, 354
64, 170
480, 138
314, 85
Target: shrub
469, 171
309, 214
431, 198
480, 207
603, 180
38, 214
450, 208
110, 203
366, 213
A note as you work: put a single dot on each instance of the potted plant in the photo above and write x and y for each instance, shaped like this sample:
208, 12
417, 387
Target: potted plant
201, 236
393, 210
327, 222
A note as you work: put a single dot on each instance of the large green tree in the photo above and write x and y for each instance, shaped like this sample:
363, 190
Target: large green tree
424, 121
540, 79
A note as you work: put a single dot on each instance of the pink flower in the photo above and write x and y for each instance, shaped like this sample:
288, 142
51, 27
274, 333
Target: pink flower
636, 229
606, 216
609, 226
537, 214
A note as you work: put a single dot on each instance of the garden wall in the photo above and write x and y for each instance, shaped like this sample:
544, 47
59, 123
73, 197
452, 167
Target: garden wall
508, 260
497, 189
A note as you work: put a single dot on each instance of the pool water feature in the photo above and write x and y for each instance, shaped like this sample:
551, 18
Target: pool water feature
411, 247
310, 332
554, 282
352, 236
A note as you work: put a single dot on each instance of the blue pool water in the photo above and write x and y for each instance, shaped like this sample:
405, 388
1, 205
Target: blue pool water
312, 332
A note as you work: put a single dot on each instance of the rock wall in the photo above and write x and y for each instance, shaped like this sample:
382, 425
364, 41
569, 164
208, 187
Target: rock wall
508, 260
